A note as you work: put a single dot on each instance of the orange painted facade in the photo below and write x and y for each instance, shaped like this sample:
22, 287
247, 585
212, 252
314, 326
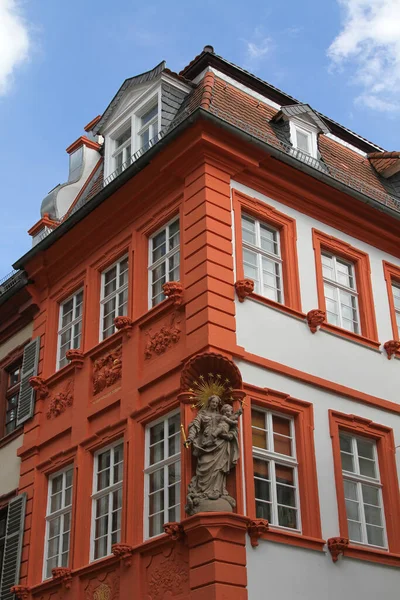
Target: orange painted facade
87, 406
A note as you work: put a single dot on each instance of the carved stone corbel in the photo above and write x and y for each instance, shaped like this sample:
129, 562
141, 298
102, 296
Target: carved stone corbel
124, 324
21, 592
315, 318
124, 552
255, 529
337, 546
76, 357
174, 291
174, 530
62, 575
244, 287
40, 386
391, 347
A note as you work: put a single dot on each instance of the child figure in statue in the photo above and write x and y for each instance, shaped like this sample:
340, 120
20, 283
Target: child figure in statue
229, 420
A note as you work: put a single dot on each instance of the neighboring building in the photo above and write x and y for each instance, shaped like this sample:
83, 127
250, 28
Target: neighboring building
274, 233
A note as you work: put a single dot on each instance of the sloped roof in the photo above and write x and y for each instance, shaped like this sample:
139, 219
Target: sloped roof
297, 110
386, 163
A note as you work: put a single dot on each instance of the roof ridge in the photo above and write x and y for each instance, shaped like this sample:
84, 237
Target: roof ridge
208, 85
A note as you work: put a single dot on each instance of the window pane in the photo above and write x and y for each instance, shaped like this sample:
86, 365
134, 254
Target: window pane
375, 535
156, 524
269, 240
354, 531
261, 469
352, 510
350, 490
259, 434
248, 230
347, 462
284, 474
370, 495
303, 141
373, 515
286, 495
262, 489
367, 467
365, 448
287, 517
263, 510
156, 480
150, 114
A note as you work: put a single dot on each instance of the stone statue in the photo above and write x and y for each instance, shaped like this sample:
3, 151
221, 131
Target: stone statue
213, 435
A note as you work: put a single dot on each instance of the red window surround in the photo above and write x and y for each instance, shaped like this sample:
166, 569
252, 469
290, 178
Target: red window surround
302, 413
384, 439
288, 236
392, 276
360, 260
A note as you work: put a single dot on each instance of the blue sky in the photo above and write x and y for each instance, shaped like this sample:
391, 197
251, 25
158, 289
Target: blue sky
62, 62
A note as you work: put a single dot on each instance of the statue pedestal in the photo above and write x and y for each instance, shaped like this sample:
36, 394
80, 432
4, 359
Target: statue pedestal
220, 505
212, 539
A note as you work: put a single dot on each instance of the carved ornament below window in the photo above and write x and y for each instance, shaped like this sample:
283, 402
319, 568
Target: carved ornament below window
60, 402
174, 530
315, 318
107, 370
21, 592
76, 357
40, 386
174, 291
244, 287
391, 347
163, 339
124, 324
123, 552
337, 546
255, 529
62, 575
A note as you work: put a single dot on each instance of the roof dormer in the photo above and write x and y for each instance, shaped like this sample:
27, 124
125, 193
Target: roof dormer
304, 126
142, 109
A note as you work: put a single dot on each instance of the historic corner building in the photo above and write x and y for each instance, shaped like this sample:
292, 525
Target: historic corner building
200, 355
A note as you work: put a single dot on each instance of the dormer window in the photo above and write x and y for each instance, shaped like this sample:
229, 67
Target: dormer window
123, 150
304, 138
148, 126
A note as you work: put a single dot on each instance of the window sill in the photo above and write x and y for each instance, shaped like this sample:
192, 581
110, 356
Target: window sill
278, 306
294, 539
372, 555
349, 335
11, 436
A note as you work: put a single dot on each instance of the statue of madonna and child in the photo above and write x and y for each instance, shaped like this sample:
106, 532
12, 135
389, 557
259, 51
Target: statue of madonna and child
213, 436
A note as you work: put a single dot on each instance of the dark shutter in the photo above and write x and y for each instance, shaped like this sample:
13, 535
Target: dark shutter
13, 546
26, 398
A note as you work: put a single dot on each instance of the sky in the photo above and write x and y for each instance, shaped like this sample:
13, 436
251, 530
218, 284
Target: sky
61, 62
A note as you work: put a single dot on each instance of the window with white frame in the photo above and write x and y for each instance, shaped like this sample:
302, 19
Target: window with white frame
69, 326
163, 474
107, 500
262, 260
122, 150
396, 302
275, 469
114, 296
58, 521
340, 291
164, 259
362, 490
148, 127
303, 139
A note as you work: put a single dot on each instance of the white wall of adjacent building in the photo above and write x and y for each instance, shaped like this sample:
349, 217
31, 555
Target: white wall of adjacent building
324, 354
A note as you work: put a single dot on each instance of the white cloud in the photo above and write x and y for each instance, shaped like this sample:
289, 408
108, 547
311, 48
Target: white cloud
14, 42
257, 48
369, 44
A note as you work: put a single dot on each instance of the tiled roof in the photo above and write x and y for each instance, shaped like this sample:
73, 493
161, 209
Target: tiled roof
252, 115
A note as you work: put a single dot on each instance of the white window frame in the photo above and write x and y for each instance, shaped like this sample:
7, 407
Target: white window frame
260, 252
115, 293
162, 464
396, 286
122, 149
359, 479
162, 259
152, 102
58, 513
309, 131
96, 495
70, 325
281, 459
334, 283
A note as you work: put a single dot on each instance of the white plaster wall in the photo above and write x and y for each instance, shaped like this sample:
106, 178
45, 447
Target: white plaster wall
16, 340
260, 328
279, 571
9, 466
291, 572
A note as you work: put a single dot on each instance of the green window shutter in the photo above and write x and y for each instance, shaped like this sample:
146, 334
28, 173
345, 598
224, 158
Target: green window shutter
13, 546
26, 398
